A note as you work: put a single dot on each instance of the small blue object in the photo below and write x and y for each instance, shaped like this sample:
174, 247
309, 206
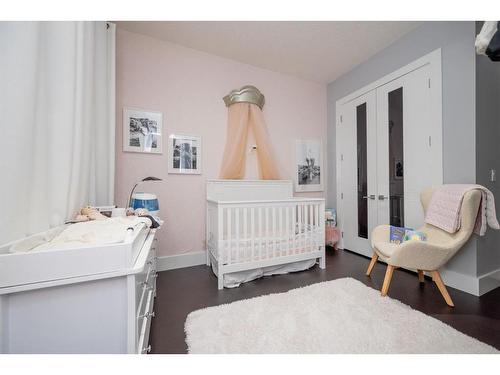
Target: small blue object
397, 234
147, 201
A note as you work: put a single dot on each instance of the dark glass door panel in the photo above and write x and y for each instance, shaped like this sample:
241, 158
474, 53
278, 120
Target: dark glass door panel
361, 121
396, 160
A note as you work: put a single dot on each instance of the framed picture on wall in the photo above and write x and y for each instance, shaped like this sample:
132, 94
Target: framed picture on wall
142, 131
184, 153
308, 165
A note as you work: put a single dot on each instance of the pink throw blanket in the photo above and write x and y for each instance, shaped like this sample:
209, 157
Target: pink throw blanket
444, 208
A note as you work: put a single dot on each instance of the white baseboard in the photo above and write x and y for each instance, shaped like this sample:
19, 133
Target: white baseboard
171, 262
460, 281
476, 285
489, 281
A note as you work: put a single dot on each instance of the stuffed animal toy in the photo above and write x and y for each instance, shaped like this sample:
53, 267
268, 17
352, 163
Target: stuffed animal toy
89, 213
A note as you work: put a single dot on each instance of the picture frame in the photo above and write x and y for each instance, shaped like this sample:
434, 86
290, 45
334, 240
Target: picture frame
309, 166
142, 131
398, 169
184, 154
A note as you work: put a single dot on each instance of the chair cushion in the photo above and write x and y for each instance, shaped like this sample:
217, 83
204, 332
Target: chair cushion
386, 248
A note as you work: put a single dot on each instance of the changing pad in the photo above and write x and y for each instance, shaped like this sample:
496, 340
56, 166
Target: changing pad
97, 232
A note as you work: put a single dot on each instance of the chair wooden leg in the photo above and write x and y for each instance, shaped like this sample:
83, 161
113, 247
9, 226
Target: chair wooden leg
442, 288
387, 280
372, 264
421, 277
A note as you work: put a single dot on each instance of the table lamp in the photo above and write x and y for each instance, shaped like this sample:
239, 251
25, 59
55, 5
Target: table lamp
150, 178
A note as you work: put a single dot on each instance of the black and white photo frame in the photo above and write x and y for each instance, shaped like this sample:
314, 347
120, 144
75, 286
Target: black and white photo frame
142, 131
184, 154
309, 165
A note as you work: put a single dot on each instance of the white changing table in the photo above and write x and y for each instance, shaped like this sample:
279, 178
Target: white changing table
105, 310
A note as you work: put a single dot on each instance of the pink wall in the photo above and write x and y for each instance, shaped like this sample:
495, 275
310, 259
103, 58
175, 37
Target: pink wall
188, 86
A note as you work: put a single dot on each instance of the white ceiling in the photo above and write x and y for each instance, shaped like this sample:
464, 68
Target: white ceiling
317, 51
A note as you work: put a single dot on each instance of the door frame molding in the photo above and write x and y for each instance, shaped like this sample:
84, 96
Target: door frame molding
433, 59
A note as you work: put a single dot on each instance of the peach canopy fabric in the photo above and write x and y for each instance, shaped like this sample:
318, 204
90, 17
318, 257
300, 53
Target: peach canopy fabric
243, 117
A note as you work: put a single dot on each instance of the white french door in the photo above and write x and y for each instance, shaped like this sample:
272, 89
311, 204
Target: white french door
390, 150
358, 171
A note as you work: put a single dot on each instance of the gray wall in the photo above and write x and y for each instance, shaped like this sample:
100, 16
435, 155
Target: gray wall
488, 150
456, 40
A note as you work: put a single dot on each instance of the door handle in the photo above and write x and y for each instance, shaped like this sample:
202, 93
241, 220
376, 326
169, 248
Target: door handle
382, 197
372, 196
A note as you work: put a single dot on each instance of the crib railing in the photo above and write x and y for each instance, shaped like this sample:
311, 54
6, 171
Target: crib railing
240, 232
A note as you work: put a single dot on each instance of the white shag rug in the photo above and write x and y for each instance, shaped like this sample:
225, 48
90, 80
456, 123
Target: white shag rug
339, 316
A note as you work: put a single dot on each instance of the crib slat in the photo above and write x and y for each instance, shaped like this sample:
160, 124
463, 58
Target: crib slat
279, 250
237, 233
252, 233
304, 207
315, 238
266, 233
274, 234
245, 234
311, 226
260, 231
306, 228
314, 224
292, 228
227, 249
318, 228
287, 230
299, 227
294, 224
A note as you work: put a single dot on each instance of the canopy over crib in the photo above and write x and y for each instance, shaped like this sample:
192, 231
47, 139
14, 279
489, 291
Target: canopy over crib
245, 113
247, 94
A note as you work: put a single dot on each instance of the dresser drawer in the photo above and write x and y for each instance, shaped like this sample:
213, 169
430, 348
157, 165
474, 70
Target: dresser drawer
144, 322
145, 281
144, 293
149, 284
140, 285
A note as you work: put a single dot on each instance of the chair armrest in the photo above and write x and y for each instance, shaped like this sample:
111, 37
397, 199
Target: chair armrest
420, 255
380, 234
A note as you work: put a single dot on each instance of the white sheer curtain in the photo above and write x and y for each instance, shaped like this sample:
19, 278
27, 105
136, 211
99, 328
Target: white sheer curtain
57, 90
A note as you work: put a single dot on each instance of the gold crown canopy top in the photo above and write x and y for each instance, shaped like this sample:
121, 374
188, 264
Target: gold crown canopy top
246, 94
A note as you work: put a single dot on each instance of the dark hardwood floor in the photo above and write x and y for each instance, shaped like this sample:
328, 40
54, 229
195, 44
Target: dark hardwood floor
184, 290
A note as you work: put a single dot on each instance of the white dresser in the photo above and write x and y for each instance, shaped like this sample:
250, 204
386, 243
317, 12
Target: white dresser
104, 312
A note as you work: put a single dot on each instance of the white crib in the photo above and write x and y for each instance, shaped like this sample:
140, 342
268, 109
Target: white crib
254, 224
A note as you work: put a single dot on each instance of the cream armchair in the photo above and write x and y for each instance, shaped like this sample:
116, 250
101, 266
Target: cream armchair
428, 255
